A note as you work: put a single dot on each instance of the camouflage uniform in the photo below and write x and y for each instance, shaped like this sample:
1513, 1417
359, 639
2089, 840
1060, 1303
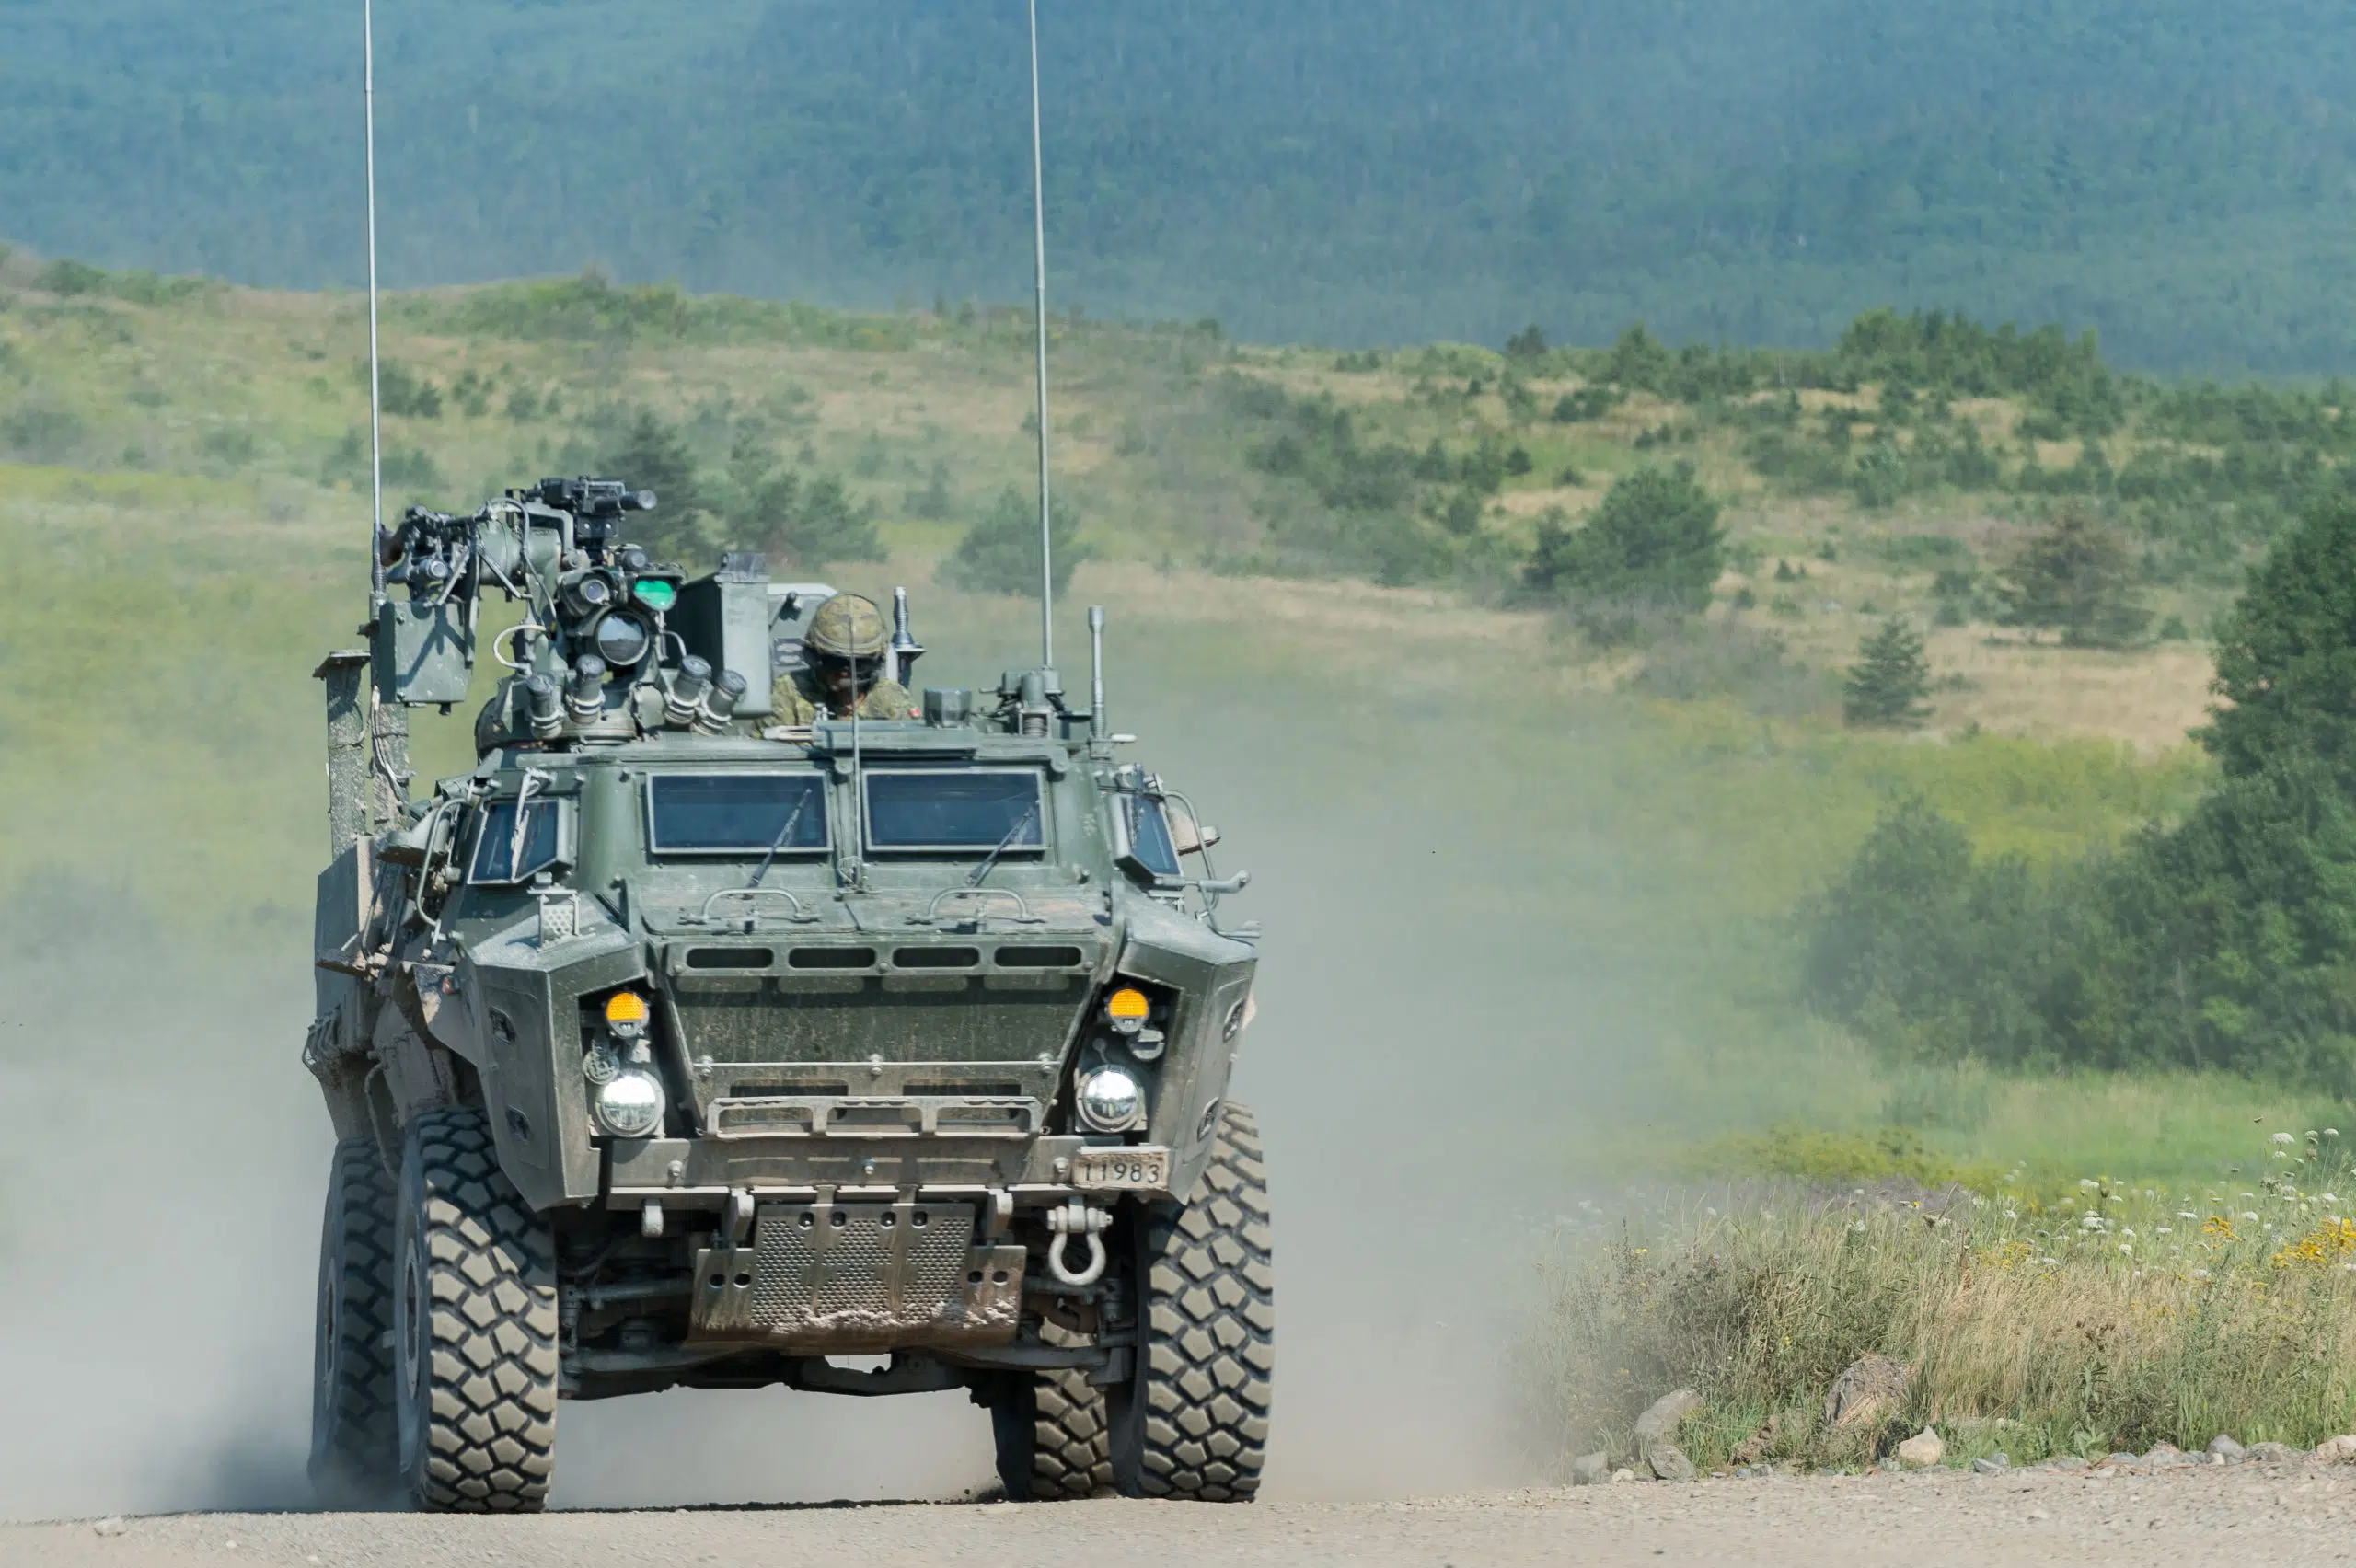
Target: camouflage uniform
797, 699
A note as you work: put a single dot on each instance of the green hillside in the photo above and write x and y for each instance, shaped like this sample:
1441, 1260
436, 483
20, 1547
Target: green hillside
1380, 171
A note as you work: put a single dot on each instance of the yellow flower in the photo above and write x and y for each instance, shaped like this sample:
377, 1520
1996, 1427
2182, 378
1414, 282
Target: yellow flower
2326, 1244
2218, 1224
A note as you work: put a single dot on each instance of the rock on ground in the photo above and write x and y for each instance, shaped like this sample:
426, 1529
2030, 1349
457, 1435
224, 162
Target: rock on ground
2340, 1451
1664, 1417
1867, 1387
1590, 1469
1668, 1462
2225, 1449
1923, 1450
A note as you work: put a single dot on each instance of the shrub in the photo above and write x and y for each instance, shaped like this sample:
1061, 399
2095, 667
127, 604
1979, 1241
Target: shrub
1653, 542
999, 554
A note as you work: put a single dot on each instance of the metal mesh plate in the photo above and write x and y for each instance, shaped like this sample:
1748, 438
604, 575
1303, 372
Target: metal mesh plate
851, 1275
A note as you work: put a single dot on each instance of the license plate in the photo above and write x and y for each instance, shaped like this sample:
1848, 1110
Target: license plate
1142, 1169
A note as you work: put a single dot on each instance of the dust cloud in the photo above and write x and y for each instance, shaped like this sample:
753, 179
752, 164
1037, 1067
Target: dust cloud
1430, 1042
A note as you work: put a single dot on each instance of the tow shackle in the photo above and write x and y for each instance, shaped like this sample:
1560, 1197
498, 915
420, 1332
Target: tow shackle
1076, 1218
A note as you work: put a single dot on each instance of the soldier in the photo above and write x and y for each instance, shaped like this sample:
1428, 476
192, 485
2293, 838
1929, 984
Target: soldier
845, 645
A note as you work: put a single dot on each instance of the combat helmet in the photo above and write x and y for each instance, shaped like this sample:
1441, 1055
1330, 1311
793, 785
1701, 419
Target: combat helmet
847, 626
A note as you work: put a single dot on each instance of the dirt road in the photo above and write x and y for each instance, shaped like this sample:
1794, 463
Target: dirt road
2280, 1515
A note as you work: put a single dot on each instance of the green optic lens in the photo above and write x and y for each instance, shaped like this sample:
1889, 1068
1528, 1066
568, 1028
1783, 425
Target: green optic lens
656, 593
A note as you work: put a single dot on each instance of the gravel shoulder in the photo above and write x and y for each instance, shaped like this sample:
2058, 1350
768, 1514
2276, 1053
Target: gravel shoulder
2280, 1514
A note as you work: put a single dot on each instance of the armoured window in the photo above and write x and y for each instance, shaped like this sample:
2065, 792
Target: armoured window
974, 809
736, 813
503, 855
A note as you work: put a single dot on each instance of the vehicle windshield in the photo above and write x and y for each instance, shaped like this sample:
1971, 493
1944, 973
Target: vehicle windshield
496, 858
964, 809
736, 813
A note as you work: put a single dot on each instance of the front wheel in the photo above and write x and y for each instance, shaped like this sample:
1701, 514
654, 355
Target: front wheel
1050, 1429
1193, 1423
475, 1324
352, 1458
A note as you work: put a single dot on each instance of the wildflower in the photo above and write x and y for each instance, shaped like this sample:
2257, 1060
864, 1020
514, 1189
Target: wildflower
2186, 1214
2125, 1247
2012, 1213
2331, 1132
2160, 1230
2201, 1273
2091, 1222
2249, 1214
2325, 1198
2088, 1183
2282, 1140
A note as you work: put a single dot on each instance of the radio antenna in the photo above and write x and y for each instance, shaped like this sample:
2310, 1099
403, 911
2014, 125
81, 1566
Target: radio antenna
376, 382
1039, 273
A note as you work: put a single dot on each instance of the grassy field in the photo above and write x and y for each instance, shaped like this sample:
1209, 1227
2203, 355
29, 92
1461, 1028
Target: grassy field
184, 517
2083, 1319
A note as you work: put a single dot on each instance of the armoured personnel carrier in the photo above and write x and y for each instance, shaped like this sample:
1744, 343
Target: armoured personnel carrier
673, 1047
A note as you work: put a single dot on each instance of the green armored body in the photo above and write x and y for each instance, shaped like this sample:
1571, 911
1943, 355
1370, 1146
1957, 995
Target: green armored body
691, 1039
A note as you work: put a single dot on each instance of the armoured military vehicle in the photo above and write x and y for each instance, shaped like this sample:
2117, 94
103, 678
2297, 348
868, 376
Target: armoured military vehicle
671, 1047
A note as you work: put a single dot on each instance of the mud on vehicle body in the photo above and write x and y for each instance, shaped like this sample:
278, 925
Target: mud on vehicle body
670, 1048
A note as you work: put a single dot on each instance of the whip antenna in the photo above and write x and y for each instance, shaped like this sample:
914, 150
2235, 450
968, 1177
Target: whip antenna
375, 386
1039, 273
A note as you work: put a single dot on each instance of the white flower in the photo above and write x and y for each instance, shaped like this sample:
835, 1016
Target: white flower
2325, 1198
2248, 1213
2281, 1139
2186, 1214
2331, 1132
2161, 1231
2201, 1273
2012, 1213
2091, 1222
2088, 1183
2128, 1232
2125, 1247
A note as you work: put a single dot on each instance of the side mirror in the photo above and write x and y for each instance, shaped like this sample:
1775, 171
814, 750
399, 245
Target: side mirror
1188, 835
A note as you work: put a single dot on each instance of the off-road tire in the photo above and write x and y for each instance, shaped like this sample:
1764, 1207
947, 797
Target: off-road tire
474, 1326
1194, 1423
1053, 1437
354, 1460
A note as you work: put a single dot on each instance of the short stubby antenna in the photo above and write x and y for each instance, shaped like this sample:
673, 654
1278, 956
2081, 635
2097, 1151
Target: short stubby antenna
1039, 273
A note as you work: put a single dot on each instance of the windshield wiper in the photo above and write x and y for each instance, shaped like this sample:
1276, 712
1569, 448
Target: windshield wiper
1029, 812
791, 820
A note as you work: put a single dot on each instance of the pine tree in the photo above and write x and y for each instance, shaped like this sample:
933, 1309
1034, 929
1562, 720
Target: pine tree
1888, 684
999, 554
2075, 576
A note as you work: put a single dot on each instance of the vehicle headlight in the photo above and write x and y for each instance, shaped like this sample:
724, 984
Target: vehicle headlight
629, 1105
1110, 1099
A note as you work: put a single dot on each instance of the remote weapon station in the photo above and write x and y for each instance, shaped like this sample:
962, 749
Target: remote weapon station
672, 1046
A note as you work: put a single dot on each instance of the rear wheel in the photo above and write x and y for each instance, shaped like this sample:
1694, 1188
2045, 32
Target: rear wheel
354, 1460
1052, 1442
1193, 1422
475, 1324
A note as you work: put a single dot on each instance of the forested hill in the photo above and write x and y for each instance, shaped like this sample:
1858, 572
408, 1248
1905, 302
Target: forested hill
2176, 174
